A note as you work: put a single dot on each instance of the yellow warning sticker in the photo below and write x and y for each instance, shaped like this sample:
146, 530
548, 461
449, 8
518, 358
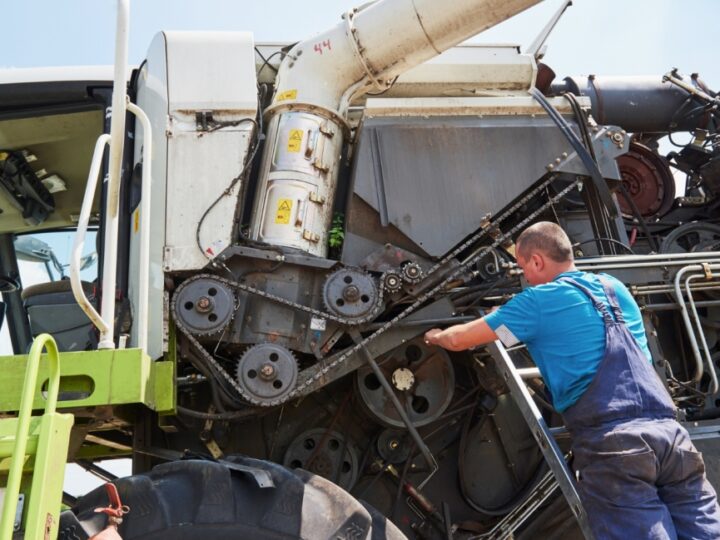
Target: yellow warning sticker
295, 140
136, 220
282, 215
286, 95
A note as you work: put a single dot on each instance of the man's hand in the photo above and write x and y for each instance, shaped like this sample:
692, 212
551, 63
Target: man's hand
461, 336
431, 336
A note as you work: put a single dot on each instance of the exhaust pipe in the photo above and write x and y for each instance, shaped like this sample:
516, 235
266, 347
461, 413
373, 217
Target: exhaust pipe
317, 80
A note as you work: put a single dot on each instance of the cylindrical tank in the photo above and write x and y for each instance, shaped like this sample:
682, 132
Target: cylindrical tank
643, 104
294, 205
315, 83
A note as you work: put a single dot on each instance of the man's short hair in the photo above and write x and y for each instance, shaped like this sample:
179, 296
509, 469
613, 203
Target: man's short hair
547, 237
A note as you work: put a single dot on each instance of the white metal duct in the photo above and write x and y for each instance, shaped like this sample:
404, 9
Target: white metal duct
320, 76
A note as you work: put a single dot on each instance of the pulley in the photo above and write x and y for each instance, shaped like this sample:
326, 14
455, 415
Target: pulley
326, 453
422, 378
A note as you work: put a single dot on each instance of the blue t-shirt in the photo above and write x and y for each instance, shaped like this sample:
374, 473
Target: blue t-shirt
564, 332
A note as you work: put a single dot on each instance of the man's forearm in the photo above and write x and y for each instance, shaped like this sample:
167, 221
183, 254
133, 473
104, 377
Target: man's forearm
462, 336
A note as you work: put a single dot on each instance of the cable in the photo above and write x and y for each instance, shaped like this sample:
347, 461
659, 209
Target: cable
232, 415
228, 190
266, 61
392, 83
603, 239
641, 220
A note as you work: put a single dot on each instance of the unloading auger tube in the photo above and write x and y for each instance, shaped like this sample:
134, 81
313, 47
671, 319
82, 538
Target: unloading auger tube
317, 80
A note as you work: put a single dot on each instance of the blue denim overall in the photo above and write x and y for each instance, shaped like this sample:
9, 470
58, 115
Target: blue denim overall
639, 475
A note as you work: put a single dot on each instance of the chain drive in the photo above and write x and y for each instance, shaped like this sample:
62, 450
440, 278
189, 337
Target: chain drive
322, 370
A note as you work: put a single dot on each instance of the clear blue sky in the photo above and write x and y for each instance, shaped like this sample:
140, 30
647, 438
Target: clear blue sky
604, 37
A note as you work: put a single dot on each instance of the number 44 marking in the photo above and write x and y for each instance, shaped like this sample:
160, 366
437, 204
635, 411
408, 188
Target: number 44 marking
319, 46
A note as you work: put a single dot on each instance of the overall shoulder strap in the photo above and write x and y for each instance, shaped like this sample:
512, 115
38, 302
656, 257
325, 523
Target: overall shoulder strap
599, 306
609, 289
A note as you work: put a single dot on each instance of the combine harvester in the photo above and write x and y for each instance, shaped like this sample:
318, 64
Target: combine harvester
278, 227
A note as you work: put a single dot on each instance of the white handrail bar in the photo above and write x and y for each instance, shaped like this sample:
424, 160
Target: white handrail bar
117, 139
144, 271
79, 242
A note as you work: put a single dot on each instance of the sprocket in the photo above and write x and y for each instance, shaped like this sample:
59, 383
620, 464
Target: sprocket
412, 273
268, 373
350, 293
204, 305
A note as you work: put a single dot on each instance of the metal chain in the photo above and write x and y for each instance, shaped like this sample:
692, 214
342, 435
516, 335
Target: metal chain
321, 370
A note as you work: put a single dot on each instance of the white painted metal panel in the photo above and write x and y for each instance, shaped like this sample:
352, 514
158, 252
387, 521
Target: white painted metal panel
211, 71
188, 73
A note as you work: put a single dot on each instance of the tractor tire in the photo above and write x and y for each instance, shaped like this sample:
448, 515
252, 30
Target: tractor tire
206, 500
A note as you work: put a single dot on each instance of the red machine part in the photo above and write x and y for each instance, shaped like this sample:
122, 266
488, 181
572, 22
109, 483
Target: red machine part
115, 511
648, 181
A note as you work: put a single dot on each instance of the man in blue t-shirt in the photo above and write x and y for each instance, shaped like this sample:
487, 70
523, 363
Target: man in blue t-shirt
639, 475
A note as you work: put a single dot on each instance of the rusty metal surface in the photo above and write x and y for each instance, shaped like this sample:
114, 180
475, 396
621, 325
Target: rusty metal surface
647, 179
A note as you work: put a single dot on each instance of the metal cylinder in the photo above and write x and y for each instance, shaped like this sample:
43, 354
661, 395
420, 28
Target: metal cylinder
298, 180
315, 83
643, 104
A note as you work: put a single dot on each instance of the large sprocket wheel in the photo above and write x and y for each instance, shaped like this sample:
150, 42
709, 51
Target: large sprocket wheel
351, 293
648, 181
201, 500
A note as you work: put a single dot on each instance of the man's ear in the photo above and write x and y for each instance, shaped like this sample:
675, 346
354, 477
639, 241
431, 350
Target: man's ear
538, 261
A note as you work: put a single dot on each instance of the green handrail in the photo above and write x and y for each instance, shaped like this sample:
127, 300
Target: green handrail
43, 341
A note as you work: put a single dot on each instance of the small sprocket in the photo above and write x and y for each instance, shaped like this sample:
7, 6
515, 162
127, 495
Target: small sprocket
412, 273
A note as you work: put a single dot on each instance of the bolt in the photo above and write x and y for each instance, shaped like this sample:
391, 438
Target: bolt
351, 293
204, 304
267, 372
550, 167
394, 445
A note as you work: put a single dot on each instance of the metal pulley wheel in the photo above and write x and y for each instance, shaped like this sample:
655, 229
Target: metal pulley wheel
647, 179
267, 372
394, 446
422, 378
692, 237
350, 293
325, 453
204, 306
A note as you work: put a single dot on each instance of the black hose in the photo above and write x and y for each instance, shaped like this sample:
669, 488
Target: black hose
604, 239
230, 415
582, 152
641, 220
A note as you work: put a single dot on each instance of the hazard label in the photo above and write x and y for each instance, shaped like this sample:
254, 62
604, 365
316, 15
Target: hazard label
282, 214
295, 140
286, 95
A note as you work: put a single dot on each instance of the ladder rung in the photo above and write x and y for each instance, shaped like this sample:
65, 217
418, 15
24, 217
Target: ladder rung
560, 432
528, 373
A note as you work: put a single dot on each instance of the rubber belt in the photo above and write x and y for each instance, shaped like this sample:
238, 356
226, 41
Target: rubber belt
590, 164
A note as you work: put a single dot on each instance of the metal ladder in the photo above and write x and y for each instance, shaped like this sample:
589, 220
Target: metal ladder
44, 438
559, 474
